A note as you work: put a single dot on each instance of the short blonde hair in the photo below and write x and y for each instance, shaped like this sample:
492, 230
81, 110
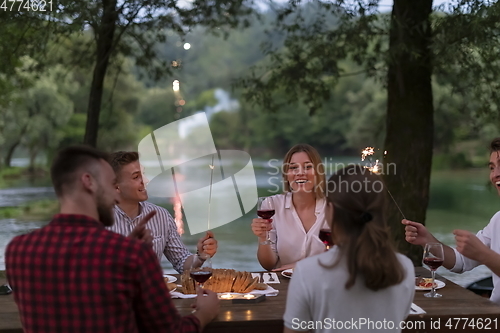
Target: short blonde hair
319, 169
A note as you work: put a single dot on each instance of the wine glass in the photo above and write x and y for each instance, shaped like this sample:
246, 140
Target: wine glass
325, 235
201, 273
265, 210
433, 257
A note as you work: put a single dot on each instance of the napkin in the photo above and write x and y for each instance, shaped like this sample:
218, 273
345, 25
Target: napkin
270, 291
415, 309
257, 275
270, 277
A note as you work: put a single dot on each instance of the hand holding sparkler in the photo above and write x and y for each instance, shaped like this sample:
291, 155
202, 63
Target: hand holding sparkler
207, 245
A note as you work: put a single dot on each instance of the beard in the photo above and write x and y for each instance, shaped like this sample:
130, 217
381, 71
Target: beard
105, 210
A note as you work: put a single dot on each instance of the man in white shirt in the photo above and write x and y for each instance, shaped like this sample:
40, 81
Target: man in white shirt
471, 250
131, 187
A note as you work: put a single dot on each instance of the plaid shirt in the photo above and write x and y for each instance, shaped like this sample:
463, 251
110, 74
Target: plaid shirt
73, 275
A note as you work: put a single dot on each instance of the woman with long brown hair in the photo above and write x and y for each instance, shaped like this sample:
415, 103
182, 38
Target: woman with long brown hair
362, 276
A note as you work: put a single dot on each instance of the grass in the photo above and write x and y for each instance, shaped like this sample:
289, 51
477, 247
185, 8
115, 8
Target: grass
9, 176
42, 209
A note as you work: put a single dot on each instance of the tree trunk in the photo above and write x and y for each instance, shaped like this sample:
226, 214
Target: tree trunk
10, 153
410, 123
33, 154
105, 39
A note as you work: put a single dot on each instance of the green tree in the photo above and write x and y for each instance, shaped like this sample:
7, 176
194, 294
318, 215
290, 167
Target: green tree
122, 93
131, 28
34, 117
158, 107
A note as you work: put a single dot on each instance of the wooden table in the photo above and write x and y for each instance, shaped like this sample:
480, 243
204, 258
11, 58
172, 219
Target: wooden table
266, 316
455, 304
9, 315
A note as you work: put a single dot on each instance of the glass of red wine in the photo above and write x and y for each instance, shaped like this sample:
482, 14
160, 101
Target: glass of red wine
265, 210
325, 235
433, 257
201, 273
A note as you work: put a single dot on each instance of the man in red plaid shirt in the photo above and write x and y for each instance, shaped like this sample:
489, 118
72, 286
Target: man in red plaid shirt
73, 275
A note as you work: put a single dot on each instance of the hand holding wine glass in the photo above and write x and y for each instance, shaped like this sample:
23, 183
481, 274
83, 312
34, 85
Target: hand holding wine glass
265, 210
201, 273
433, 257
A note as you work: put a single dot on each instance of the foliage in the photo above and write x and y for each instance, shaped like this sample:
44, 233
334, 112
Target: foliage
157, 107
35, 112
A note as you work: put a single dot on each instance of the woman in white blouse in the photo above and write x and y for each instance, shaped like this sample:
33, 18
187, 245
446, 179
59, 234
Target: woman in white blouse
299, 212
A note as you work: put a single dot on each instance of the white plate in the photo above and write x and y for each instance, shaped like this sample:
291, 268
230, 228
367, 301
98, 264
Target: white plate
170, 278
440, 284
289, 271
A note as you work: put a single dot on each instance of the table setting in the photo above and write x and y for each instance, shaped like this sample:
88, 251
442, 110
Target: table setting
229, 284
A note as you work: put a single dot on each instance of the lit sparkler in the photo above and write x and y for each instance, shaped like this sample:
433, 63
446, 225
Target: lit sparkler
210, 195
368, 151
375, 168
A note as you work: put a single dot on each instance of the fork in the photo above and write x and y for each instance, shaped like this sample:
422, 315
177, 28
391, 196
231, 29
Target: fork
270, 277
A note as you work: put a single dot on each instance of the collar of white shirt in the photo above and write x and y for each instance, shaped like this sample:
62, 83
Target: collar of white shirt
319, 203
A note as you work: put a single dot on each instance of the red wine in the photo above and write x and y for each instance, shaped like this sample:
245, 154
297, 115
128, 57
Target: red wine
326, 237
266, 214
433, 263
200, 276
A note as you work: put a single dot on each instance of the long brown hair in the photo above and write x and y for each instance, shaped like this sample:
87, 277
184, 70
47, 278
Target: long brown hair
319, 169
358, 199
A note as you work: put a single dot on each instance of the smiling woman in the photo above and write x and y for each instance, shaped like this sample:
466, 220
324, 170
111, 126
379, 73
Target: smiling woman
299, 212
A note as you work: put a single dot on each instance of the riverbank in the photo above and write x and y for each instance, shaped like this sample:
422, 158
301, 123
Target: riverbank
35, 210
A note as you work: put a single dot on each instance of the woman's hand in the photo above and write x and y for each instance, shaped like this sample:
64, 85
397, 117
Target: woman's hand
260, 227
282, 268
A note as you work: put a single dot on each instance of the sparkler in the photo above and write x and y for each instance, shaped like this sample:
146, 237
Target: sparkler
375, 168
210, 195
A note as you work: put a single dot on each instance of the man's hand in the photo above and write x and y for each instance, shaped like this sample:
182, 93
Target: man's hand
469, 245
207, 244
140, 232
417, 234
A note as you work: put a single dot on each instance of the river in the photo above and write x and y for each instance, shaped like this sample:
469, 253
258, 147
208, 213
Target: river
459, 199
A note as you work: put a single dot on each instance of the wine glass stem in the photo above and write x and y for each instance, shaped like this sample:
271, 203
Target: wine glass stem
433, 289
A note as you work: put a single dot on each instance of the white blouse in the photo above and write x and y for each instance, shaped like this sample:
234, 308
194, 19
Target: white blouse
317, 294
292, 242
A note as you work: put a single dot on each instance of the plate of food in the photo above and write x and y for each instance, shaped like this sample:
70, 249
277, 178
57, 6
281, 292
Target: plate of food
287, 272
423, 284
169, 278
